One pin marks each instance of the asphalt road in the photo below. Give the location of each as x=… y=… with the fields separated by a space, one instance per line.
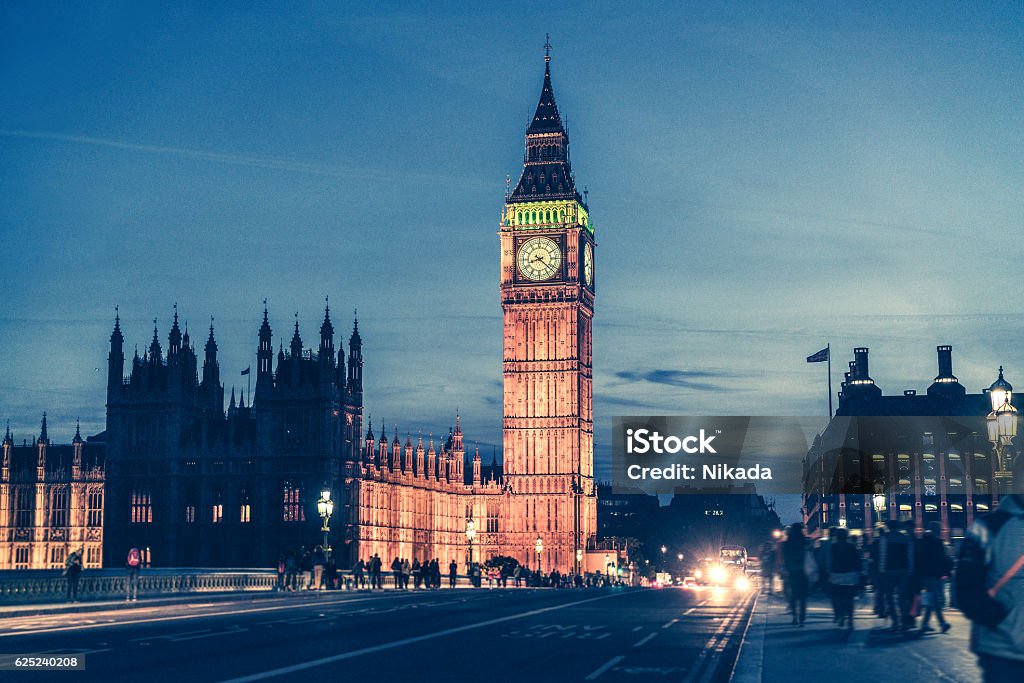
x=522 y=635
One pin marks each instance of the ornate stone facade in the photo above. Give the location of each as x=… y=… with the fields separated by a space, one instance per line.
x=51 y=502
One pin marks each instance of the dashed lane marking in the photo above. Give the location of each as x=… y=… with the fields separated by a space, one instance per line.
x=596 y=673
x=645 y=639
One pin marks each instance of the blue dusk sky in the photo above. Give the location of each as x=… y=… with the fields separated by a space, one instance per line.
x=765 y=178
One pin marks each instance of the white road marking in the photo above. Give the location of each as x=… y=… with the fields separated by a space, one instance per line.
x=669 y=624
x=689 y=611
x=645 y=639
x=604 y=667
x=409 y=641
x=179 y=617
x=637 y=628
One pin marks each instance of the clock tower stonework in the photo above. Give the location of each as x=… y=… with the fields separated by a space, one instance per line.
x=547 y=297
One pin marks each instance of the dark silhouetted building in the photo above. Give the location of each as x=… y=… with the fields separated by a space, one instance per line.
x=923 y=457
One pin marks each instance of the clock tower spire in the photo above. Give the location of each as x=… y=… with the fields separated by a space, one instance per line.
x=547 y=297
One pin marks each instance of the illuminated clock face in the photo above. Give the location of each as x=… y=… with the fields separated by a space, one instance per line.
x=539 y=259
x=588 y=265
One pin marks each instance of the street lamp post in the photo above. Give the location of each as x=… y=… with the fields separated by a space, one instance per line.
x=1002 y=425
x=579 y=561
x=539 y=547
x=878 y=500
x=470 y=535
x=326 y=507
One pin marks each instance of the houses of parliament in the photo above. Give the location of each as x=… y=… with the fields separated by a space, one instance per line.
x=194 y=485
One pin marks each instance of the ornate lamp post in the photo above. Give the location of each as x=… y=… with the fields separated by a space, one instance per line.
x=878 y=500
x=1002 y=425
x=579 y=560
x=470 y=535
x=539 y=547
x=326 y=508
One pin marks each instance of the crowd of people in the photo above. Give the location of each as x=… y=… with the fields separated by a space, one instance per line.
x=907 y=573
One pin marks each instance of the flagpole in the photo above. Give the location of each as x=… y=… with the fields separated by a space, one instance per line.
x=829 y=354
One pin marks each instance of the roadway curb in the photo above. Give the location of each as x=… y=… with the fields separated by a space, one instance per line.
x=749 y=666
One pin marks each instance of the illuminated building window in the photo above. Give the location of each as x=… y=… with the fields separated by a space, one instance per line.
x=981 y=507
x=980 y=486
x=190 y=514
x=21 y=557
x=92 y=557
x=217 y=508
x=59 y=507
x=94 y=508
x=956 y=507
x=905 y=508
x=931 y=507
x=292 y=504
x=245 y=513
x=141 y=506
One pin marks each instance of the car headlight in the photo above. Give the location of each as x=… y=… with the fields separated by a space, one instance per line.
x=699 y=574
x=718 y=574
x=742 y=583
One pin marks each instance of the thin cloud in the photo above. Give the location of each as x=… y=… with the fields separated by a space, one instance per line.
x=683 y=379
x=268 y=163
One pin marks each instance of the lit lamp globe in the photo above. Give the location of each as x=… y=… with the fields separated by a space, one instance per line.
x=325 y=505
x=470 y=530
x=1000 y=393
x=1002 y=422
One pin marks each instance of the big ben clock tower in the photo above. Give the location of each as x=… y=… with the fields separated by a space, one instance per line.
x=547 y=296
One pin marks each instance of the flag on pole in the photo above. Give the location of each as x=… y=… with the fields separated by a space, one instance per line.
x=819 y=357
x=246 y=371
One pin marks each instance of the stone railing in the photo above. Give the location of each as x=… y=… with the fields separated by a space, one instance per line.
x=39 y=586
x=17 y=587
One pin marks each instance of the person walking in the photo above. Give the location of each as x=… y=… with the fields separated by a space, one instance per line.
x=874 y=566
x=281 y=567
x=406 y=572
x=331 y=573
x=133 y=565
x=453 y=573
x=435 y=573
x=896 y=565
x=417 y=573
x=291 y=572
x=931 y=566
x=768 y=566
x=359 y=574
x=795 y=558
x=990 y=585
x=318 y=561
x=376 y=566
x=72 y=571
x=844 y=575
x=306 y=567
